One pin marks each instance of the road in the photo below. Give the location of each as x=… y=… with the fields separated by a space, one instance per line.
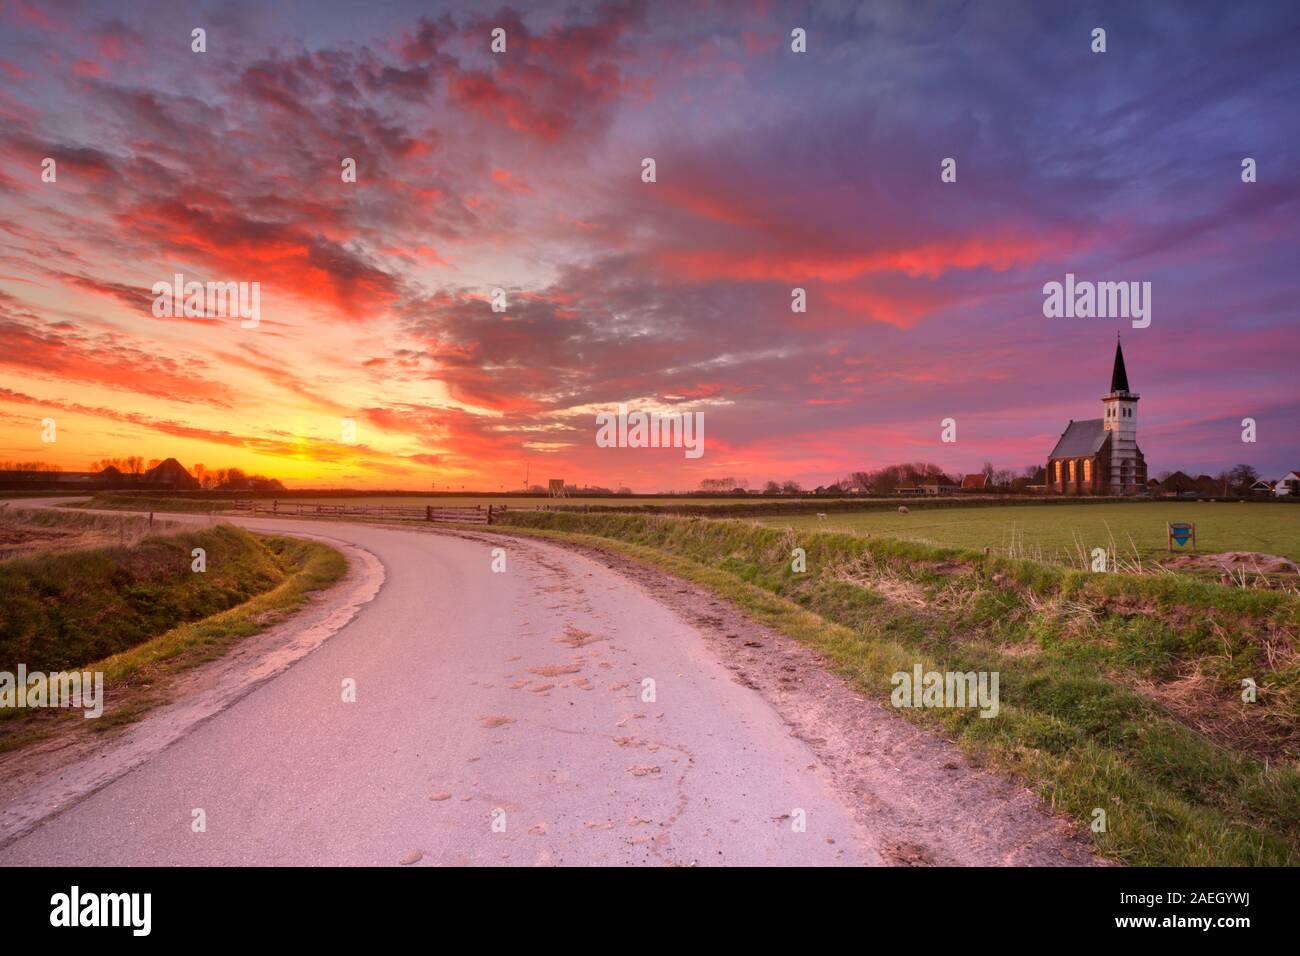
x=499 y=718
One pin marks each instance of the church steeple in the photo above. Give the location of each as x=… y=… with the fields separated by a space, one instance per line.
x=1127 y=467
x=1119 y=376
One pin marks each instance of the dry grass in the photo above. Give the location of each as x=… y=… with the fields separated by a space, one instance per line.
x=28 y=531
x=1194 y=701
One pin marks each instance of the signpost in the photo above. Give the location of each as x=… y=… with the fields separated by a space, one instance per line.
x=1182 y=532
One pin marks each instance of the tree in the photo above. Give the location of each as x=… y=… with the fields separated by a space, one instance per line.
x=40 y=466
x=771 y=488
x=883 y=481
x=715 y=485
x=791 y=487
x=1205 y=485
x=1240 y=478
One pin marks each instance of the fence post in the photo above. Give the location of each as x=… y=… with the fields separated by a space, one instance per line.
x=489 y=514
x=428 y=512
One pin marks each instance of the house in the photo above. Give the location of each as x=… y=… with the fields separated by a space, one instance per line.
x=975 y=482
x=1287 y=485
x=169 y=474
x=1177 y=483
x=938 y=485
x=1262 y=487
x=1100 y=456
x=38 y=480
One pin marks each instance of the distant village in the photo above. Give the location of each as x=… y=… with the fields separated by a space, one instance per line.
x=130 y=474
x=919 y=479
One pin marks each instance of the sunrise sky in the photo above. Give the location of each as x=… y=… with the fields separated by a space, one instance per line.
x=523 y=170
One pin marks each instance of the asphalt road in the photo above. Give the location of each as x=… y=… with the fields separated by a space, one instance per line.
x=499 y=718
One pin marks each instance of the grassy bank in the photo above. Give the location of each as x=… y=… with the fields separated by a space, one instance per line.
x=67 y=608
x=139 y=673
x=140 y=614
x=1118 y=692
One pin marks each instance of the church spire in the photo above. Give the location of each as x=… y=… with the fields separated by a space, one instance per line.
x=1119 y=377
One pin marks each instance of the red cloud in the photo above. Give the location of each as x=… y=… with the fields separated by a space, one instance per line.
x=284 y=256
x=924 y=260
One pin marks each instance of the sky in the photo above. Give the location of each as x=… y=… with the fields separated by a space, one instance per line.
x=523 y=171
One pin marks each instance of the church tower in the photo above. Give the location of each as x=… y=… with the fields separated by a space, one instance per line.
x=1127 y=469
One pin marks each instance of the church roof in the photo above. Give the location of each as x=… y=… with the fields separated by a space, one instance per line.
x=1119 y=376
x=1081 y=439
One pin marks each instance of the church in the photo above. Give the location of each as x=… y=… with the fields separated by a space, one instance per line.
x=1100 y=456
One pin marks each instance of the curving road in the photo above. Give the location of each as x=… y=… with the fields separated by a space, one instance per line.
x=499 y=719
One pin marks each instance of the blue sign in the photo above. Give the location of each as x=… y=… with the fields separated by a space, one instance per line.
x=1182 y=533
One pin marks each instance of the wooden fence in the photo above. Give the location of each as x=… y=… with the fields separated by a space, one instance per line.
x=475 y=515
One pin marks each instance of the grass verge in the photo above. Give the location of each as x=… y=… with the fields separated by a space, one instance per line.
x=64 y=609
x=1093 y=667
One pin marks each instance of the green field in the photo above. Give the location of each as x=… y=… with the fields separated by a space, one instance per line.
x=1050 y=533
